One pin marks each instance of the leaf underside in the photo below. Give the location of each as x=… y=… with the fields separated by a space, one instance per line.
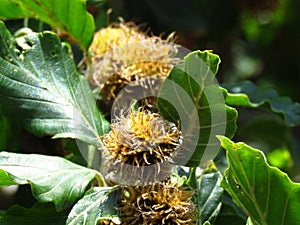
x=247 y=94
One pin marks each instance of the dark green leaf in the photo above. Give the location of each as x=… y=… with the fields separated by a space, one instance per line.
x=229 y=215
x=210 y=194
x=98 y=203
x=9 y=131
x=247 y=94
x=40 y=86
x=68 y=16
x=264 y=193
x=191 y=95
x=52 y=179
x=76 y=155
x=39 y=214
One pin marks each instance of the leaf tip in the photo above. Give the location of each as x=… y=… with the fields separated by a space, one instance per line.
x=226 y=143
x=223 y=139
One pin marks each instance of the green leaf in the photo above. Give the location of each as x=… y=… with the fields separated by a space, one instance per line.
x=229 y=215
x=18 y=215
x=52 y=179
x=6 y=179
x=264 y=193
x=247 y=94
x=98 y=203
x=9 y=131
x=76 y=156
x=68 y=16
x=40 y=87
x=210 y=194
x=191 y=95
x=12 y=10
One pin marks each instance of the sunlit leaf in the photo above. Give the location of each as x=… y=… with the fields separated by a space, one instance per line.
x=52 y=179
x=40 y=87
x=247 y=94
x=264 y=193
x=191 y=95
x=98 y=203
x=7 y=179
x=12 y=10
x=68 y=16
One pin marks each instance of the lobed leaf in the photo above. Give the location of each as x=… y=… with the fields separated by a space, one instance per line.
x=264 y=193
x=247 y=94
x=52 y=179
x=40 y=87
x=191 y=95
x=98 y=203
x=68 y=16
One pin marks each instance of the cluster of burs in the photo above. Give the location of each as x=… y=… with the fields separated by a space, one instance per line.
x=139 y=151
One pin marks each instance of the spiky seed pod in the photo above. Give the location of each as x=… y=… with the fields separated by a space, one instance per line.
x=125 y=47
x=107 y=222
x=105 y=43
x=135 y=72
x=140 y=147
x=115 y=35
x=144 y=78
x=161 y=203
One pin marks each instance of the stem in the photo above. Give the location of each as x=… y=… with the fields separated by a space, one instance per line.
x=26 y=22
x=100 y=179
x=192 y=178
x=40 y=26
x=91 y=155
x=90 y=161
